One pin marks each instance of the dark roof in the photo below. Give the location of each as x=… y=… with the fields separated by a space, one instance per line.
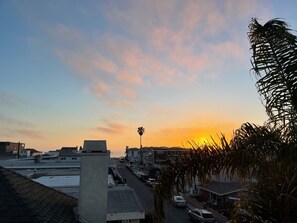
x=122 y=200
x=23 y=200
x=32 y=150
x=220 y=188
x=69 y=148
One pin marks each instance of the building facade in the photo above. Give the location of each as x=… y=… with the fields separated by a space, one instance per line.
x=11 y=149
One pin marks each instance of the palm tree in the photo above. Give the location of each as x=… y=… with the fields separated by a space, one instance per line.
x=269 y=152
x=274 y=61
x=265 y=154
x=140 y=131
x=251 y=146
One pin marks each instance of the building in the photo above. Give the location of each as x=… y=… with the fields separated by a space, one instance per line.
x=11 y=149
x=87 y=198
x=23 y=200
x=220 y=194
x=25 y=153
x=53 y=153
x=69 y=149
x=156 y=157
x=133 y=155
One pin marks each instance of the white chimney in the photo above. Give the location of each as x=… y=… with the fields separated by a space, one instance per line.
x=92 y=203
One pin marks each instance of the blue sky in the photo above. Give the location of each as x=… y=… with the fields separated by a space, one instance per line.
x=76 y=70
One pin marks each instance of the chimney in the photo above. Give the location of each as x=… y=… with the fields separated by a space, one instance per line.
x=92 y=203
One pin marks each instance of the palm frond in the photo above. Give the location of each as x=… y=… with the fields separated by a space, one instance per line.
x=274 y=61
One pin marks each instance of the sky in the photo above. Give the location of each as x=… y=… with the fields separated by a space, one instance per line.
x=84 y=70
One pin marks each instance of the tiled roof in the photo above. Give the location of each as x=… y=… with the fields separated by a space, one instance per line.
x=23 y=200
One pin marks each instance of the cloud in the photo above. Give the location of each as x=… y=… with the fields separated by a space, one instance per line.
x=18 y=128
x=130 y=78
x=128 y=92
x=10 y=99
x=229 y=50
x=111 y=128
x=9 y=121
x=157 y=43
x=32 y=134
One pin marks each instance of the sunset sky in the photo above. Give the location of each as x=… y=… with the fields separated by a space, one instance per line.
x=76 y=70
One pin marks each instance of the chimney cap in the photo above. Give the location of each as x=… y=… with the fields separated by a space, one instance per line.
x=94 y=146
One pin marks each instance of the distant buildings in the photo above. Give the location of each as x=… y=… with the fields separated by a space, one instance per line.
x=11 y=149
x=154 y=157
x=25 y=153
x=91 y=197
x=218 y=190
x=65 y=154
x=69 y=153
x=133 y=155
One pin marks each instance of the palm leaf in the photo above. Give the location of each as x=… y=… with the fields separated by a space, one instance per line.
x=274 y=61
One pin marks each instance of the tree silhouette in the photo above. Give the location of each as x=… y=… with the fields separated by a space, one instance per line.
x=140 y=131
x=274 y=61
x=266 y=153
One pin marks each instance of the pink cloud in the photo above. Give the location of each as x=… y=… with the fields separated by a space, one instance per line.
x=129 y=93
x=122 y=104
x=111 y=128
x=165 y=42
x=244 y=8
x=99 y=88
x=87 y=61
x=229 y=49
x=130 y=77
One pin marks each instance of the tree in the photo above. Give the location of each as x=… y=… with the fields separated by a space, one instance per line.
x=140 y=131
x=251 y=146
x=274 y=61
x=266 y=153
x=269 y=152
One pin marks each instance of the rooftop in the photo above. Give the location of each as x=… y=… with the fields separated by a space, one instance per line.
x=23 y=200
x=220 y=188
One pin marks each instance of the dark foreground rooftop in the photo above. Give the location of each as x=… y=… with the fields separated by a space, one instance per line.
x=23 y=200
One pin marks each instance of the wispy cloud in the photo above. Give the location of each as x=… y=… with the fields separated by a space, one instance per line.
x=158 y=43
x=16 y=128
x=111 y=128
x=31 y=134
x=11 y=121
x=10 y=99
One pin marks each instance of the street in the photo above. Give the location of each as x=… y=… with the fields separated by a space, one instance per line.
x=145 y=196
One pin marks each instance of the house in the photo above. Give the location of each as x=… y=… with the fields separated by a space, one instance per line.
x=52 y=153
x=220 y=194
x=10 y=150
x=25 y=153
x=69 y=153
x=69 y=149
x=133 y=155
x=156 y=157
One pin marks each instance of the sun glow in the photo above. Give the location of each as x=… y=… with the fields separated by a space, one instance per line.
x=203 y=140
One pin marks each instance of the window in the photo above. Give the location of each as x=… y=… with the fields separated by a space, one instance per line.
x=207 y=215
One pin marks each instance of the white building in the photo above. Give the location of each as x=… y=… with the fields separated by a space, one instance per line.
x=133 y=155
